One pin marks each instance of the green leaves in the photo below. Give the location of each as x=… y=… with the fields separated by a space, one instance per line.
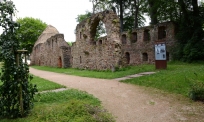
x=16 y=93
x=30 y=30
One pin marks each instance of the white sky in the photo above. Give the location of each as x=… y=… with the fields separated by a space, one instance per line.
x=59 y=13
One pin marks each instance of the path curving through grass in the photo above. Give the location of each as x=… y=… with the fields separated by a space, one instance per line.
x=131 y=103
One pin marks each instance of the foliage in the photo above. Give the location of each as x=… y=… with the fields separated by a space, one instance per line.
x=190 y=34
x=70 y=43
x=16 y=93
x=70 y=105
x=196 y=90
x=29 y=31
x=83 y=17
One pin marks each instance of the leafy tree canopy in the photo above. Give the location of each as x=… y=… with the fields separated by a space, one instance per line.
x=29 y=31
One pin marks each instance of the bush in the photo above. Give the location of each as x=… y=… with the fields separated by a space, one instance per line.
x=196 y=92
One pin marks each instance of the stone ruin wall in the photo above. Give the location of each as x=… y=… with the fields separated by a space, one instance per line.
x=105 y=53
x=54 y=52
x=138 y=48
x=118 y=49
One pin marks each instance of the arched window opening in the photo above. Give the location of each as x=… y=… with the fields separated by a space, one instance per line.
x=161 y=32
x=98 y=30
x=80 y=35
x=100 y=42
x=124 y=39
x=146 y=35
x=134 y=37
x=80 y=60
x=85 y=36
x=127 y=57
x=145 y=57
x=60 y=62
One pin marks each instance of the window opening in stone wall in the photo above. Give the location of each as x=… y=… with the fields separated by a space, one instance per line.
x=100 y=42
x=85 y=37
x=147 y=35
x=98 y=30
x=145 y=57
x=124 y=39
x=161 y=32
x=127 y=57
x=80 y=35
x=60 y=62
x=80 y=60
x=134 y=37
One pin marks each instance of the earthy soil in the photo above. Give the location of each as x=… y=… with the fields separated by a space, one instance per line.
x=131 y=103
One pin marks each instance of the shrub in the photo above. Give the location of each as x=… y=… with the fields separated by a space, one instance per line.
x=197 y=90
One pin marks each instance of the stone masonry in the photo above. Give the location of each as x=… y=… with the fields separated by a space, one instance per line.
x=138 y=45
x=51 y=49
x=106 y=53
x=101 y=54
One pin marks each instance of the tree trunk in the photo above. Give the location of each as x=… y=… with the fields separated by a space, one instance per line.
x=121 y=15
x=136 y=14
x=183 y=9
x=153 y=12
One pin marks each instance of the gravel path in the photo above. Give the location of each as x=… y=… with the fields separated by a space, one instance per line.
x=131 y=103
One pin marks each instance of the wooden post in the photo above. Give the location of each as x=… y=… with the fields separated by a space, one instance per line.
x=19 y=52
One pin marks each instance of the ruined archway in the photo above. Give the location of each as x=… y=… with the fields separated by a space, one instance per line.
x=101 y=56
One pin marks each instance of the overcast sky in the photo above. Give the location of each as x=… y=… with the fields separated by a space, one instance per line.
x=59 y=13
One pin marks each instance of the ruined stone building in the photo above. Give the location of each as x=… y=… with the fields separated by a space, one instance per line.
x=113 y=50
x=117 y=49
x=51 y=49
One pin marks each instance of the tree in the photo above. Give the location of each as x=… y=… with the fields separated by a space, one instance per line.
x=16 y=92
x=29 y=31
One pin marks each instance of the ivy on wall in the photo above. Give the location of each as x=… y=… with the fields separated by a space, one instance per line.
x=16 y=92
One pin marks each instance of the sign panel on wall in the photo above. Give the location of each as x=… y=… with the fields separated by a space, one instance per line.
x=160 y=51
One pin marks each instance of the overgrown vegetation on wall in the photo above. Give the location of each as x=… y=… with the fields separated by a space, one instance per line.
x=16 y=93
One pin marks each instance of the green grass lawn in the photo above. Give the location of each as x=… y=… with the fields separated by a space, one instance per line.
x=176 y=79
x=66 y=106
x=69 y=105
x=43 y=85
x=99 y=74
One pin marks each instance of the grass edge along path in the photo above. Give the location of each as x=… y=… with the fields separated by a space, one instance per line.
x=130 y=70
x=178 y=78
x=63 y=106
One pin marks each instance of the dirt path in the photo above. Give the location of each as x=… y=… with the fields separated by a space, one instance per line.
x=130 y=103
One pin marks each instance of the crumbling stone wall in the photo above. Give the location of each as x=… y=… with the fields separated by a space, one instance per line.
x=101 y=54
x=54 y=52
x=138 y=45
x=118 y=49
